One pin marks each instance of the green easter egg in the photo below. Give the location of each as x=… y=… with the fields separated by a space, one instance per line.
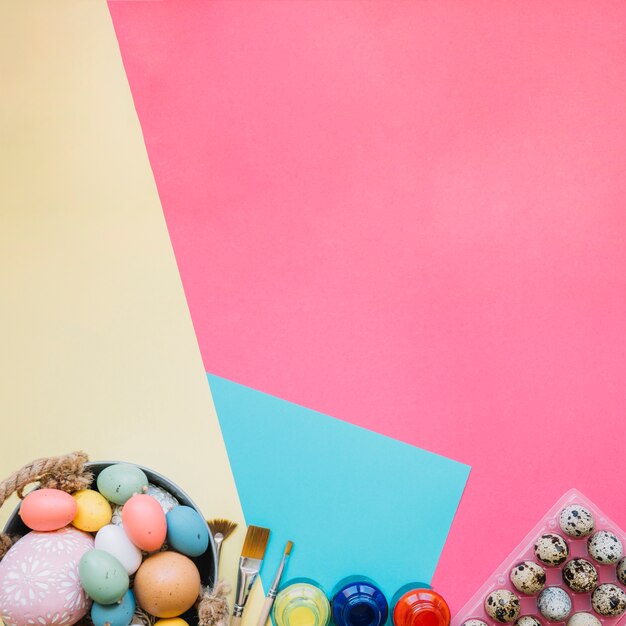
x=119 y=482
x=102 y=576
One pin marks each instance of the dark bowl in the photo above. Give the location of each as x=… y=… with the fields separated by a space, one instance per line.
x=206 y=563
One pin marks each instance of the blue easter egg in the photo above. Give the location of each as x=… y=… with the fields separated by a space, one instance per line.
x=119 y=614
x=187 y=532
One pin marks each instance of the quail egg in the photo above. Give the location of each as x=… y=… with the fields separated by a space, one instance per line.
x=474 y=622
x=621 y=571
x=576 y=521
x=502 y=605
x=583 y=619
x=580 y=575
x=608 y=600
x=605 y=547
x=528 y=577
x=551 y=549
x=554 y=604
x=528 y=620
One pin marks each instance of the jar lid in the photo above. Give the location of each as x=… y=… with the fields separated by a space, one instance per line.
x=360 y=603
x=301 y=604
x=421 y=607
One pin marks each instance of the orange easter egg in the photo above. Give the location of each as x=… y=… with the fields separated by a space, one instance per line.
x=167 y=584
x=144 y=522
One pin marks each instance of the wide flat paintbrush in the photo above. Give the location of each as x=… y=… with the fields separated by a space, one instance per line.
x=250 y=563
x=271 y=594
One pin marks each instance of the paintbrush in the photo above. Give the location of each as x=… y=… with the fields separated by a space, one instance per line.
x=250 y=562
x=271 y=594
x=221 y=529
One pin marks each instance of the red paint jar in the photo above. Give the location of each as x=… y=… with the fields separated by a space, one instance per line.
x=421 y=606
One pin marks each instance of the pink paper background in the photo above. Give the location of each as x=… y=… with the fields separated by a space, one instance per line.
x=411 y=216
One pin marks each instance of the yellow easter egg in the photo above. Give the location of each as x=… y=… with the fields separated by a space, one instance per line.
x=171 y=621
x=93 y=512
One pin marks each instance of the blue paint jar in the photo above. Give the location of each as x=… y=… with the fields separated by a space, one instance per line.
x=359 y=602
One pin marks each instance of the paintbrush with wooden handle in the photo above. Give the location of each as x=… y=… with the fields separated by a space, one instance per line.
x=271 y=594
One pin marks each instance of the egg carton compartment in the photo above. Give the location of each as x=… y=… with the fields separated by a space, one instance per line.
x=577 y=548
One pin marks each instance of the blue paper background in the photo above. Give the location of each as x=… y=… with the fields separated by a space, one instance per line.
x=351 y=500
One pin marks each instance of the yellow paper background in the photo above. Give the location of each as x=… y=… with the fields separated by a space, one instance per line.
x=97 y=348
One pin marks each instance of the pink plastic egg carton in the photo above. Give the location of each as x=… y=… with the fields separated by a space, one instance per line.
x=581 y=602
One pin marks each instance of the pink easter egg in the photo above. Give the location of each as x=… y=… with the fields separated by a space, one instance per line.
x=48 y=509
x=39 y=584
x=144 y=522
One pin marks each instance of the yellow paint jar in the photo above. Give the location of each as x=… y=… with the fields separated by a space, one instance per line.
x=301 y=604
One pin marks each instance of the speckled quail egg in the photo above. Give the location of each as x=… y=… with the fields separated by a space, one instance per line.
x=576 y=521
x=528 y=577
x=502 y=605
x=551 y=549
x=580 y=575
x=528 y=620
x=621 y=571
x=474 y=622
x=605 y=547
x=583 y=619
x=608 y=600
x=554 y=604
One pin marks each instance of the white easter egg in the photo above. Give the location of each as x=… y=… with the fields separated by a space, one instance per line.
x=113 y=539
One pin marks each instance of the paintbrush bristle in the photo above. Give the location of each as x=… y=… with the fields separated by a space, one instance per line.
x=223 y=526
x=256 y=542
x=288 y=548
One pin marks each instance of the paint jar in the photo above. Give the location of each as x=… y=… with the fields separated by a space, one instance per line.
x=357 y=601
x=301 y=603
x=418 y=605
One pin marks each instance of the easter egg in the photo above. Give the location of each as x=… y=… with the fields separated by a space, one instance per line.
x=39 y=581
x=144 y=522
x=103 y=577
x=187 y=532
x=171 y=621
x=167 y=584
x=47 y=509
x=93 y=511
x=118 y=614
x=163 y=497
x=116 y=518
x=115 y=541
x=119 y=482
